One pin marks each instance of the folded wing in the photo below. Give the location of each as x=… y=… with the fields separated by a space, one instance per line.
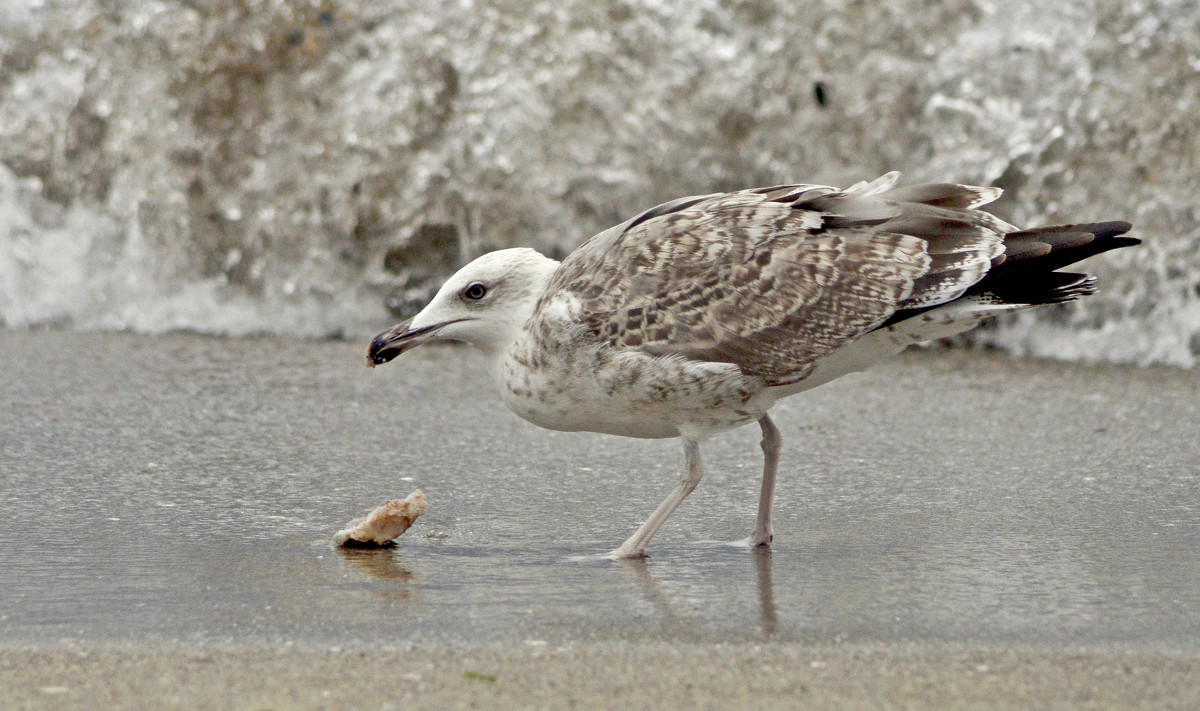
x=774 y=279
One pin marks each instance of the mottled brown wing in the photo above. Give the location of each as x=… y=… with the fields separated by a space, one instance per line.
x=775 y=278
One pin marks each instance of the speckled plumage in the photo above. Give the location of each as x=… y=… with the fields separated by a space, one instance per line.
x=774 y=279
x=697 y=315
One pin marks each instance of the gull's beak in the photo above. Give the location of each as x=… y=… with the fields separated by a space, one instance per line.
x=400 y=338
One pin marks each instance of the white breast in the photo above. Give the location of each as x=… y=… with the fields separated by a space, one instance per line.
x=579 y=385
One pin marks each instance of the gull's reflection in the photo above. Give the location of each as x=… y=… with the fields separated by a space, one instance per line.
x=767 y=620
x=380 y=564
x=638 y=570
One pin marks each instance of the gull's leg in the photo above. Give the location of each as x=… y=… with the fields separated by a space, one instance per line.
x=771 y=442
x=635 y=546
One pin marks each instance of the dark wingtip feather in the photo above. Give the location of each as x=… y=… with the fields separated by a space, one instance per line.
x=1105 y=230
x=1058 y=246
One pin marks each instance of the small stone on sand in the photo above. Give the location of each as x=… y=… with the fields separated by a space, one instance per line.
x=383 y=525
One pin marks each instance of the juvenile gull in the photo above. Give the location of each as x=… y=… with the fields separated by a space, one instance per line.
x=695 y=316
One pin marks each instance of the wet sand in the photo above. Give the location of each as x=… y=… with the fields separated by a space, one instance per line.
x=623 y=676
x=955 y=530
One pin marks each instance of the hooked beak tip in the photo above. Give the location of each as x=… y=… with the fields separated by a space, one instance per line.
x=394 y=341
x=389 y=344
x=379 y=358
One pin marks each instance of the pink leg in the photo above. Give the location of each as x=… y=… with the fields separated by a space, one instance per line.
x=771 y=442
x=635 y=546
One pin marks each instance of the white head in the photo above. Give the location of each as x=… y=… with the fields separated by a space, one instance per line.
x=486 y=303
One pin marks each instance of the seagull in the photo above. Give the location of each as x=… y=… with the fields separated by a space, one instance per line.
x=696 y=316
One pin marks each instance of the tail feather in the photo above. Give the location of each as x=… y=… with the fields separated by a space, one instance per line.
x=1025 y=274
x=1039 y=288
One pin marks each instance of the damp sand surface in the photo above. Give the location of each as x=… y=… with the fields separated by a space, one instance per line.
x=953 y=530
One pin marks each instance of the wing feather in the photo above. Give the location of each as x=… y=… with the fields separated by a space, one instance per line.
x=773 y=279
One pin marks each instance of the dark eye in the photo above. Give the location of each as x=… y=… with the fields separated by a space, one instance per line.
x=474 y=291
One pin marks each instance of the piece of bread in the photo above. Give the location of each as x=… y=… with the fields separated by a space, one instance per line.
x=385 y=524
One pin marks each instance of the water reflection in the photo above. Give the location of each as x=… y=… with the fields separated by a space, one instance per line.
x=768 y=618
x=668 y=608
x=378 y=563
x=689 y=606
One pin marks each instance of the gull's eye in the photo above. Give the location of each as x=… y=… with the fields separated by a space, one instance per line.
x=474 y=291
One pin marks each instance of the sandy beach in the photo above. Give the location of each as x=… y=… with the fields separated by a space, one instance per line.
x=954 y=530
x=642 y=676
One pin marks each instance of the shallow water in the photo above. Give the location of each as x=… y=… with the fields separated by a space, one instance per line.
x=185 y=489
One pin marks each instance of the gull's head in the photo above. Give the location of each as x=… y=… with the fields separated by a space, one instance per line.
x=486 y=304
